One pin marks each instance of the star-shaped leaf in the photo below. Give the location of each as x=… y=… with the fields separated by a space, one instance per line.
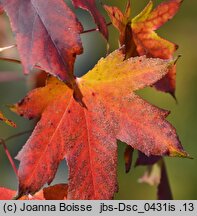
x=86 y=136
x=140 y=38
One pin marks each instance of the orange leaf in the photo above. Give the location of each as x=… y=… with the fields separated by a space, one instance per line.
x=55 y=192
x=86 y=137
x=144 y=24
x=119 y=20
x=139 y=34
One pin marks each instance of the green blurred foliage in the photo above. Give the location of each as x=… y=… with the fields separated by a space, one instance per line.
x=182 y=31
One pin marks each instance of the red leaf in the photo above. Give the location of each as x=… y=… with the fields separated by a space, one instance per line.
x=47 y=34
x=55 y=192
x=168 y=83
x=6 y=194
x=90 y=5
x=87 y=136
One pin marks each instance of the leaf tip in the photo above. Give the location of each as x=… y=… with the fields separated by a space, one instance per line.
x=12 y=107
x=172 y=93
x=179 y=153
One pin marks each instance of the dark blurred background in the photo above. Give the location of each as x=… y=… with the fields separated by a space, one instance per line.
x=182 y=31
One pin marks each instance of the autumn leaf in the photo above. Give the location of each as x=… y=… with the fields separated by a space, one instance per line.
x=164 y=190
x=47 y=34
x=6 y=194
x=143 y=160
x=122 y=22
x=55 y=192
x=168 y=83
x=90 y=5
x=86 y=137
x=139 y=33
x=7 y=121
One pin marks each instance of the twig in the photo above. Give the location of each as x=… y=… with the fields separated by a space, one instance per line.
x=17 y=61
x=2 y=142
x=94 y=29
x=17 y=135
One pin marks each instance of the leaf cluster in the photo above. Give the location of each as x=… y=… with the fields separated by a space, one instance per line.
x=81 y=119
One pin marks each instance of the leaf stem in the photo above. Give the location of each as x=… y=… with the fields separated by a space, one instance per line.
x=2 y=142
x=17 y=61
x=94 y=29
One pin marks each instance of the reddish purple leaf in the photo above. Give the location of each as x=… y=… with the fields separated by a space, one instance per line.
x=128 y=157
x=90 y=5
x=47 y=34
x=144 y=160
x=164 y=190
